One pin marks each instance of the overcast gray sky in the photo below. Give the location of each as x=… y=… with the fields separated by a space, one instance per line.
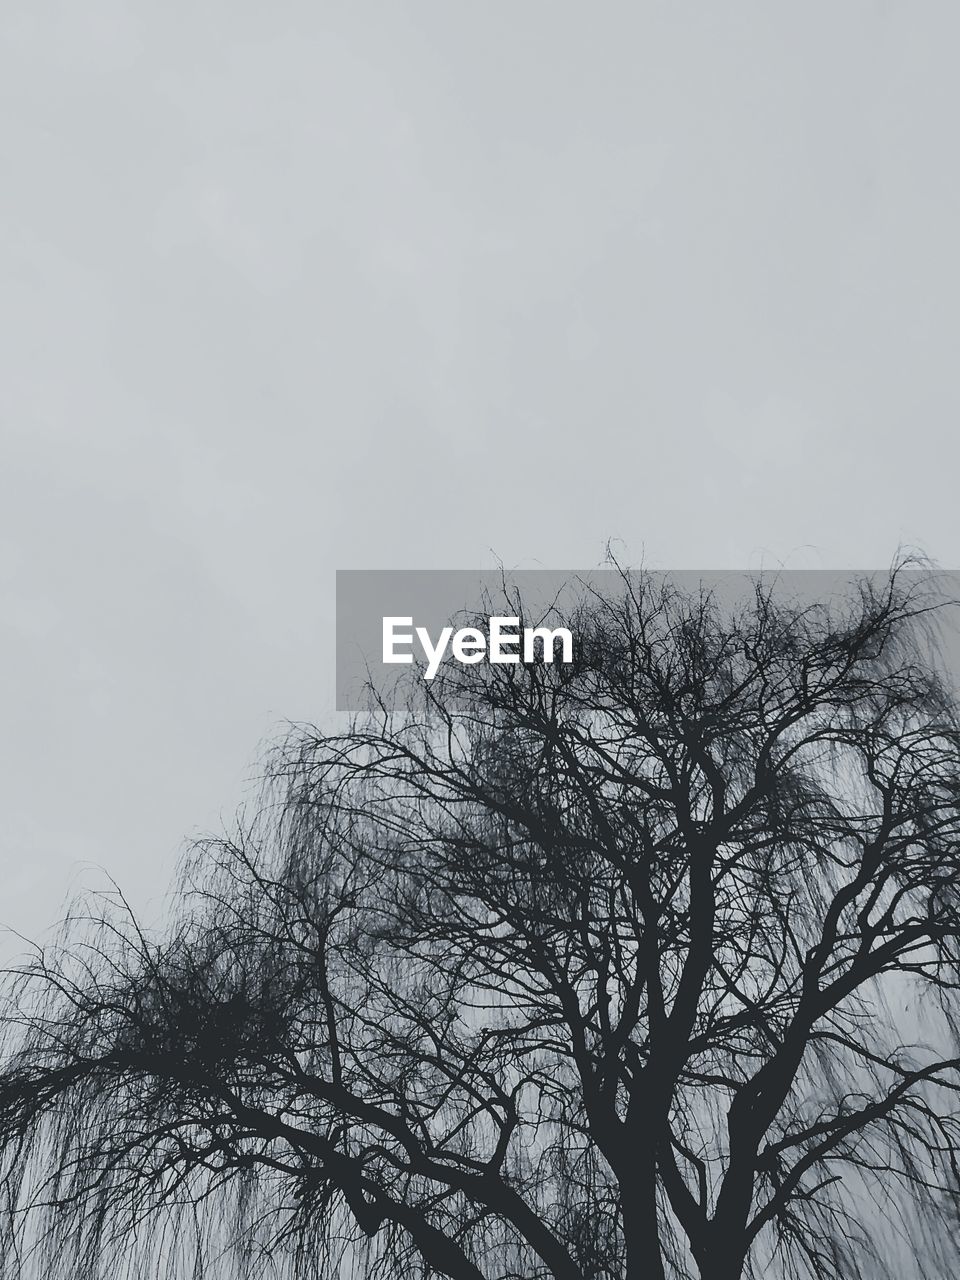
x=292 y=287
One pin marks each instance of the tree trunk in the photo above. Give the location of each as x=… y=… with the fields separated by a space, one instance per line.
x=641 y=1226
x=724 y=1257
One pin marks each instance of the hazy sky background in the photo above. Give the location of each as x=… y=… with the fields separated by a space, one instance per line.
x=286 y=288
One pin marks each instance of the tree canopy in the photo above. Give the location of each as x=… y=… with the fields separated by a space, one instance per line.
x=641 y=966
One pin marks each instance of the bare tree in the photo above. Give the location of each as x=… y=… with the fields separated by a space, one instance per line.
x=644 y=966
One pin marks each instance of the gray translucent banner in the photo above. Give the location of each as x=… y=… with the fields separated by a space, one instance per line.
x=434 y=599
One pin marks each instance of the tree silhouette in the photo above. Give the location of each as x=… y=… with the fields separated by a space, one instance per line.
x=644 y=966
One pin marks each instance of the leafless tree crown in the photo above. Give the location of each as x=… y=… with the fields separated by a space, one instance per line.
x=642 y=966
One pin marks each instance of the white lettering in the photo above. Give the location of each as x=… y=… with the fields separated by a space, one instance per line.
x=434 y=653
x=549 y=639
x=391 y=639
x=469 y=645
x=498 y=640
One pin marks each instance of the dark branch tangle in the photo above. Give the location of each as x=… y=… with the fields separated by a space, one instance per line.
x=645 y=966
